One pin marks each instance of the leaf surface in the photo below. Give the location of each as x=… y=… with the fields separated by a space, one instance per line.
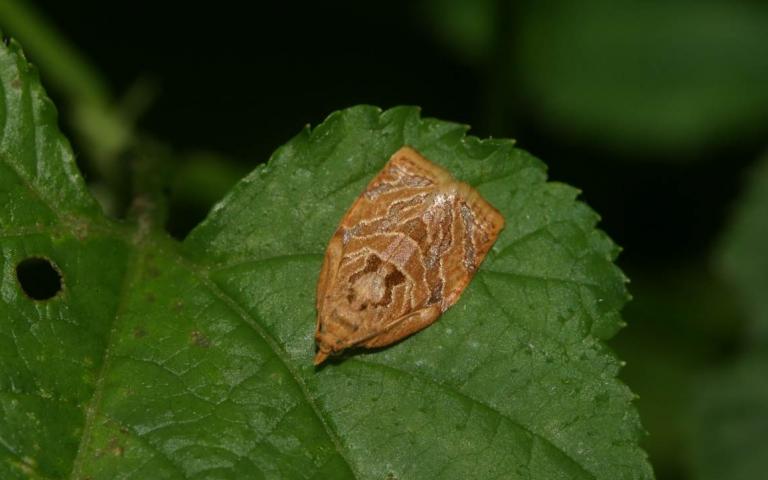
x=194 y=360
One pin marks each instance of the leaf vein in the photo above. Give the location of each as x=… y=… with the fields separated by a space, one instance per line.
x=530 y=276
x=471 y=399
x=251 y=322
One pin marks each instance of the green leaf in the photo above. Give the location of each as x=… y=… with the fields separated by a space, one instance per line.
x=731 y=414
x=744 y=251
x=670 y=342
x=651 y=77
x=729 y=436
x=64 y=66
x=165 y=360
x=40 y=182
x=103 y=125
x=467 y=26
x=646 y=76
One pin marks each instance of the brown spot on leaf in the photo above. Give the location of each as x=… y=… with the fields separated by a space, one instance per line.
x=115 y=448
x=152 y=270
x=200 y=340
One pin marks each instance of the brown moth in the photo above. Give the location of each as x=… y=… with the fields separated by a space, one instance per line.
x=401 y=256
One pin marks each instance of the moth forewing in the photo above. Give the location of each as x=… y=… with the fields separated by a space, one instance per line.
x=402 y=255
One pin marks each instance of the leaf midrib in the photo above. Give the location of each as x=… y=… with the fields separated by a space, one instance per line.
x=249 y=320
x=135 y=262
x=134 y=267
x=246 y=318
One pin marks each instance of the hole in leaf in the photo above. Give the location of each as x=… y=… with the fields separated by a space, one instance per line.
x=39 y=278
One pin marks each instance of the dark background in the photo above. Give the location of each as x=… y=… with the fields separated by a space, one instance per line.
x=232 y=82
x=243 y=80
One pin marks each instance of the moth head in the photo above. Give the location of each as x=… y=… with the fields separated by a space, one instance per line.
x=331 y=330
x=321 y=356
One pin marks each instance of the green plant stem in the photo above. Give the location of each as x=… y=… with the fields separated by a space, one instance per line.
x=63 y=66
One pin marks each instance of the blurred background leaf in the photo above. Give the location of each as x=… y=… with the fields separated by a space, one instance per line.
x=744 y=252
x=644 y=77
x=647 y=76
x=680 y=323
x=729 y=435
x=729 y=438
x=466 y=26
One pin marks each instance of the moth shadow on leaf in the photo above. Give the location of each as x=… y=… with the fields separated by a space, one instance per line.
x=353 y=352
